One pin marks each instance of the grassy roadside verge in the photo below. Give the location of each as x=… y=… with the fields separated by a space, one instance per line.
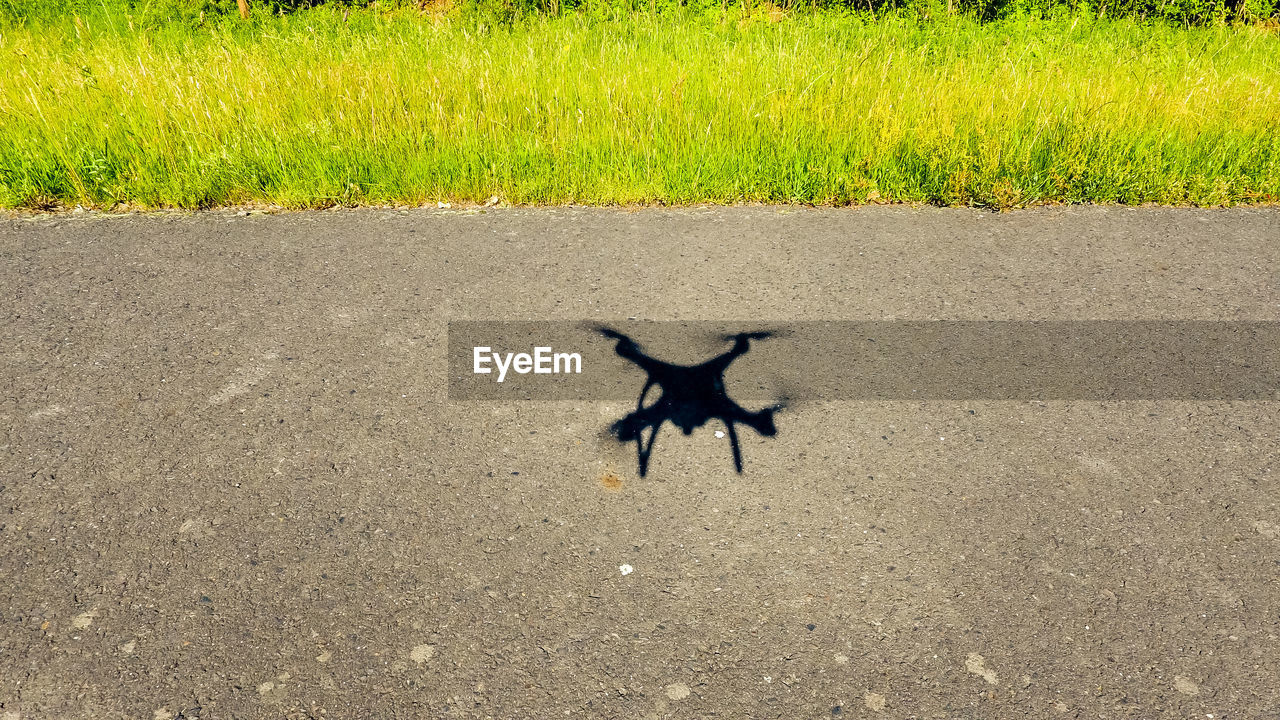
x=311 y=110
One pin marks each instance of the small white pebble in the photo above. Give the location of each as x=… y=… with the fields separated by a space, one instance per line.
x=422 y=653
x=719 y=433
x=626 y=569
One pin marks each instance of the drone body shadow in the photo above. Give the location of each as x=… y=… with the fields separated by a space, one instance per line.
x=690 y=397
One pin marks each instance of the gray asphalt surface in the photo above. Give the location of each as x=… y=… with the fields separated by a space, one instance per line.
x=233 y=484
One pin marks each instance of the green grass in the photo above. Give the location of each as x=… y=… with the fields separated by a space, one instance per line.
x=310 y=110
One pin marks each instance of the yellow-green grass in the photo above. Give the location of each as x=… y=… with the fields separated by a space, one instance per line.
x=404 y=108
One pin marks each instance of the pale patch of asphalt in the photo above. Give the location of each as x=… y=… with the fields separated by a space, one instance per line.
x=232 y=484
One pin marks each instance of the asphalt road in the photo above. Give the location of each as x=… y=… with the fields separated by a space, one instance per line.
x=233 y=483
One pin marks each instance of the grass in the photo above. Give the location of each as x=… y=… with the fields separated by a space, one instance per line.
x=310 y=110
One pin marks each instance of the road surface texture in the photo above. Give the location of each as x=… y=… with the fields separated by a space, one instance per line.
x=234 y=485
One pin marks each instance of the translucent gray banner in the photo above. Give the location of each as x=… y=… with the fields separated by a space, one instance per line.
x=877 y=360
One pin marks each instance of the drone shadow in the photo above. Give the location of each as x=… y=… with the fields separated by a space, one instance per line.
x=689 y=396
